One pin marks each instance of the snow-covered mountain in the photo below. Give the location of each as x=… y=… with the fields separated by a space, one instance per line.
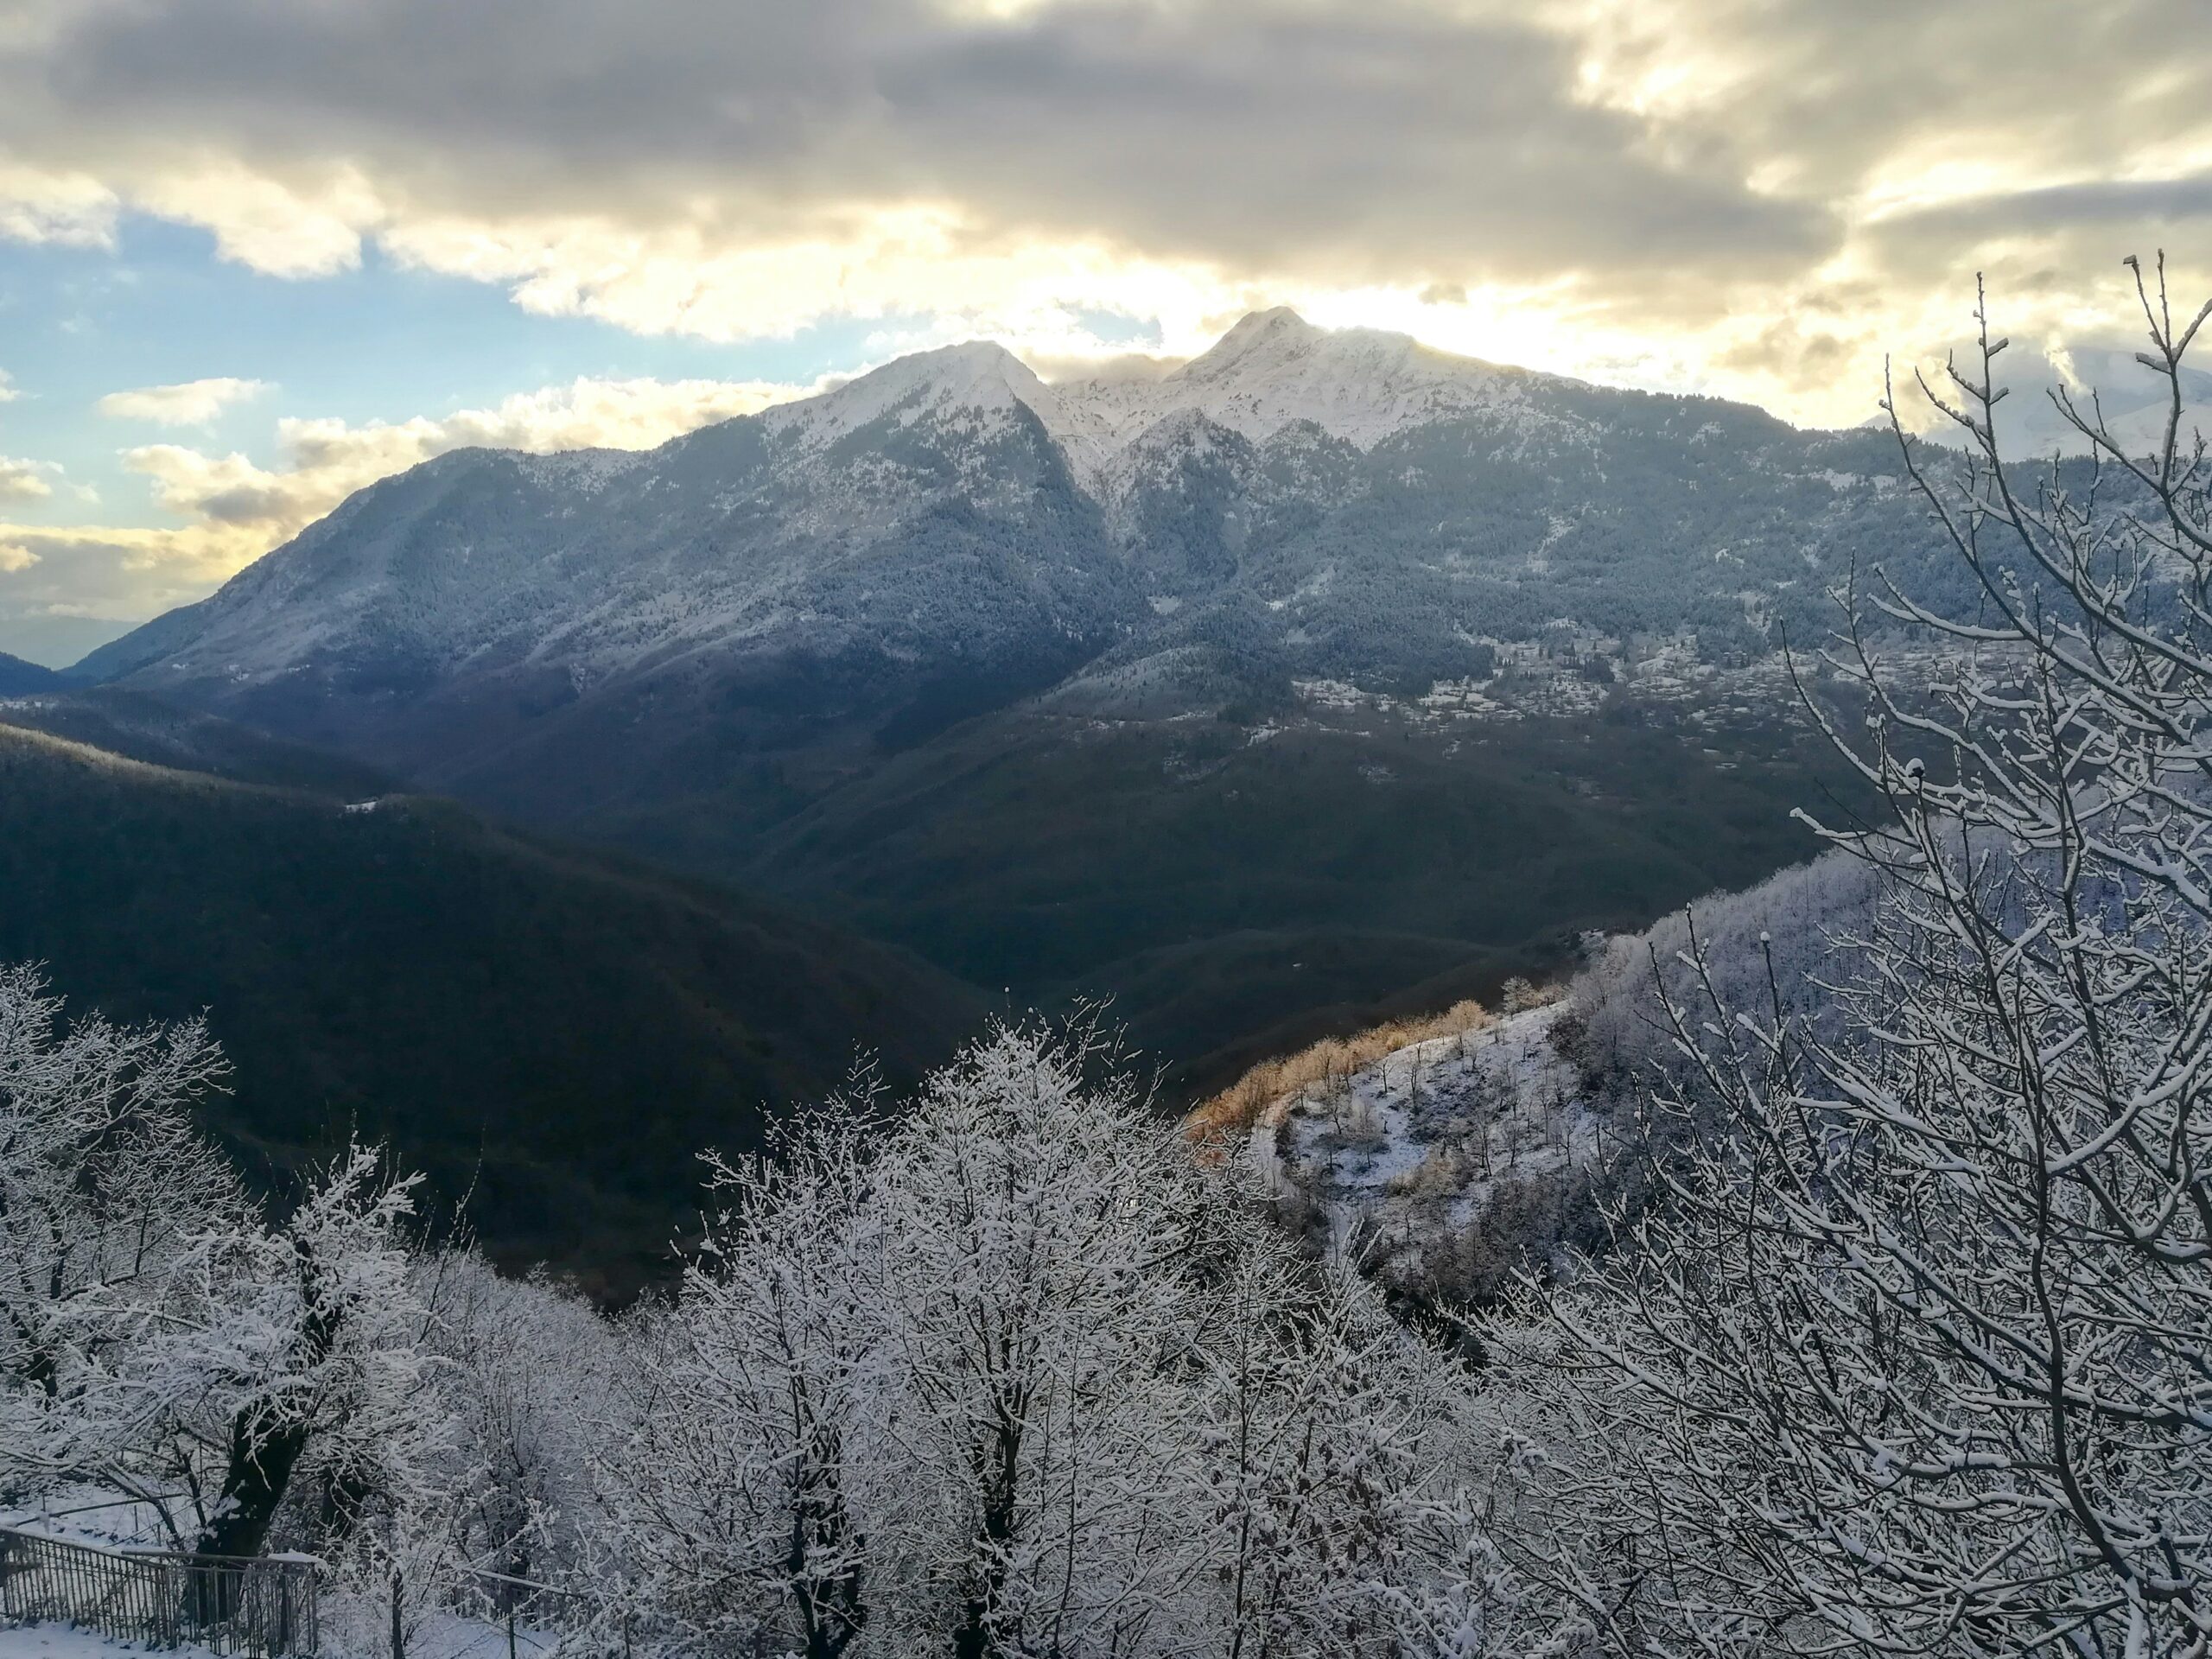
x=1275 y=369
x=975 y=388
x=863 y=648
x=951 y=507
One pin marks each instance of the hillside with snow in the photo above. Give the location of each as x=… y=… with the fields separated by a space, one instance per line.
x=971 y=660
x=1447 y=1155
x=1438 y=1165
x=1230 y=480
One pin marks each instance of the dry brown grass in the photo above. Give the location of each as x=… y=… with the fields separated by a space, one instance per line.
x=1234 y=1111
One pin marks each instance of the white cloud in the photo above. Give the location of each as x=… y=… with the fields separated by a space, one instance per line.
x=279 y=227
x=325 y=460
x=8 y=392
x=189 y=402
x=888 y=263
x=237 y=509
x=25 y=480
x=66 y=207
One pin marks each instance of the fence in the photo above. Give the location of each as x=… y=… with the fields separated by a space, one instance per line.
x=261 y=1608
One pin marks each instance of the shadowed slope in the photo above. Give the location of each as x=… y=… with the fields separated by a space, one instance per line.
x=558 y=1031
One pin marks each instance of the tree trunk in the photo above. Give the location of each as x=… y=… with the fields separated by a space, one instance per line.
x=1003 y=1458
x=267 y=1439
x=262 y=1457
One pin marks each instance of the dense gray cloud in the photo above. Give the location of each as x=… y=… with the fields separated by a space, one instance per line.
x=1642 y=188
x=1372 y=141
x=1760 y=198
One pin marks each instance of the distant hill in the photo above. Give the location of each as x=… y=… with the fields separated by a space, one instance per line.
x=555 y=1033
x=138 y=728
x=18 y=677
x=1232 y=896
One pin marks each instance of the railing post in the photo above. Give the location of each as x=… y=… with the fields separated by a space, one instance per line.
x=171 y=1611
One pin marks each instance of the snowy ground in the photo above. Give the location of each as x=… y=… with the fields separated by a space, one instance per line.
x=1410 y=1149
x=64 y=1642
x=444 y=1637
x=93 y=1514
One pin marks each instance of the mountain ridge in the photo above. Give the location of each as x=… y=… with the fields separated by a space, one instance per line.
x=1292 y=391
x=18 y=677
x=949 y=574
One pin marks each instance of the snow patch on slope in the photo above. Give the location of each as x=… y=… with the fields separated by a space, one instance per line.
x=585 y=471
x=978 y=384
x=1275 y=368
x=1401 y=1155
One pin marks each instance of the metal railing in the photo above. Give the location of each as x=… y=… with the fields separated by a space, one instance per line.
x=261 y=1608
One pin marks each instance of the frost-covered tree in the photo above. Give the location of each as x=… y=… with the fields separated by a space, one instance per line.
x=105 y=1191
x=1018 y=1375
x=158 y=1335
x=527 y=1373
x=1912 y=1356
x=1334 y=1437
x=734 y=1499
x=942 y=1388
x=313 y=1333
x=1044 y=1248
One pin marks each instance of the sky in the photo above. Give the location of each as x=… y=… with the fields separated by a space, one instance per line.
x=255 y=254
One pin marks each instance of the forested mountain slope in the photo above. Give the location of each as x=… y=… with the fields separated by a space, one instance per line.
x=17 y=677
x=138 y=728
x=553 y=1034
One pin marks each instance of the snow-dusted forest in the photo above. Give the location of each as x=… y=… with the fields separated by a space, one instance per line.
x=1889 y=1334
x=1017 y=1372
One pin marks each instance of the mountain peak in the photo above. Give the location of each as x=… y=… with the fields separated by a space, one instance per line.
x=978 y=354
x=1277 y=331
x=974 y=375
x=963 y=366
x=1275 y=368
x=1277 y=322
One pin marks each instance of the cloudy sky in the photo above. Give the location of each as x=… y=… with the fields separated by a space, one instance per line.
x=255 y=253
